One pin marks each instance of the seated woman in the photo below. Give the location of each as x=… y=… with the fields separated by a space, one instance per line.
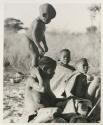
x=37 y=91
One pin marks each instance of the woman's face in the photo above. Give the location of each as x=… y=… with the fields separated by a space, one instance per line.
x=49 y=71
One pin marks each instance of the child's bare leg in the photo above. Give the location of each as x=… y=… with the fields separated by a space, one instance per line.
x=34 y=53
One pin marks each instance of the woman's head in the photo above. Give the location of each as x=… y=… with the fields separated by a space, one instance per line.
x=47 y=67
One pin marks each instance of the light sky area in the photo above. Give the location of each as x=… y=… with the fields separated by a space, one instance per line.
x=70 y=17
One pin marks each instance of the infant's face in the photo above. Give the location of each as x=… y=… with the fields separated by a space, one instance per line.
x=64 y=58
x=82 y=67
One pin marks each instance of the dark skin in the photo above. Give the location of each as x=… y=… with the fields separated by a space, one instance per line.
x=38 y=35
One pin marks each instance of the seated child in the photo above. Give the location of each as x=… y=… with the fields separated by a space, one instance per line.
x=38 y=88
x=36 y=33
x=81 y=85
x=63 y=70
x=76 y=88
x=77 y=82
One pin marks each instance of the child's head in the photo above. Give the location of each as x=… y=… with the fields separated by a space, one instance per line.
x=47 y=12
x=47 y=67
x=65 y=56
x=82 y=65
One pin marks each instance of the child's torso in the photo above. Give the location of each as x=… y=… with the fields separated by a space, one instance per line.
x=40 y=30
x=76 y=84
x=80 y=86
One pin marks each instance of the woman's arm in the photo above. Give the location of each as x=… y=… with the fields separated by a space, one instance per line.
x=31 y=84
x=35 y=73
x=37 y=87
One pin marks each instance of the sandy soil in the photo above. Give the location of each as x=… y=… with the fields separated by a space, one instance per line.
x=13 y=100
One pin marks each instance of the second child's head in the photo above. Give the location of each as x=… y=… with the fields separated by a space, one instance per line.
x=82 y=65
x=65 y=56
x=47 y=67
x=47 y=12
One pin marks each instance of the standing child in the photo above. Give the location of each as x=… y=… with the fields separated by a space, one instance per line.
x=63 y=70
x=36 y=32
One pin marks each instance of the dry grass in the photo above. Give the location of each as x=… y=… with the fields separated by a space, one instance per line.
x=17 y=53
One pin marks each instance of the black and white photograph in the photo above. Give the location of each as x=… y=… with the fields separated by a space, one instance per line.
x=52 y=62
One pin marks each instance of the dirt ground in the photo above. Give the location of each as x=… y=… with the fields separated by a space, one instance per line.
x=13 y=100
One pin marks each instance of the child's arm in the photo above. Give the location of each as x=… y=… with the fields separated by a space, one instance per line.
x=35 y=36
x=45 y=44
